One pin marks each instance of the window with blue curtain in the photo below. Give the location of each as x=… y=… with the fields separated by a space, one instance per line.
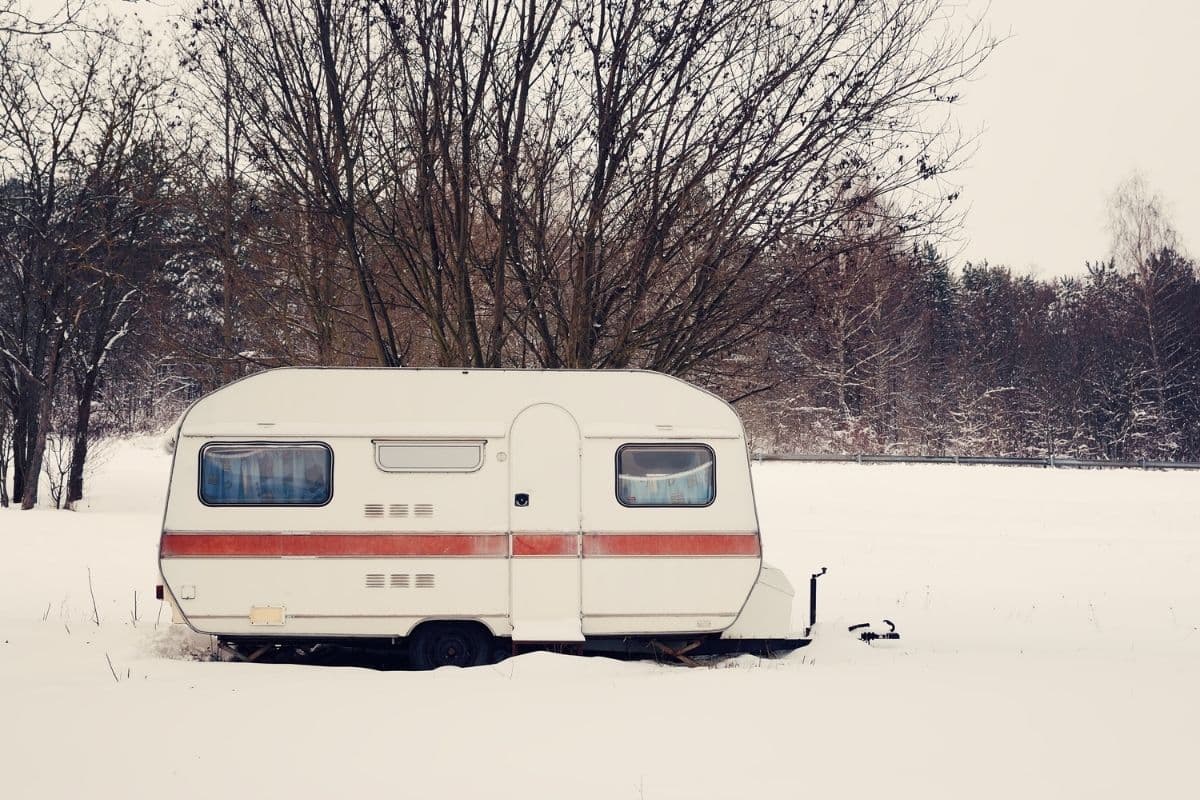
x=266 y=474
x=665 y=475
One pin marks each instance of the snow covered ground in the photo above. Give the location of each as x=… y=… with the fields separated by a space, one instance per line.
x=1051 y=649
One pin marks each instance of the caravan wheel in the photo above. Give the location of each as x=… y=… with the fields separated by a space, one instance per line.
x=448 y=644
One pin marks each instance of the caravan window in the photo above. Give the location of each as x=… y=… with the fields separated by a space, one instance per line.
x=266 y=474
x=428 y=456
x=666 y=475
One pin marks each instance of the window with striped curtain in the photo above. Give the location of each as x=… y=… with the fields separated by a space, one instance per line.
x=266 y=474
x=666 y=475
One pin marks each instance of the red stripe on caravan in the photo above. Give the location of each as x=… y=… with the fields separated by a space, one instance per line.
x=277 y=545
x=670 y=544
x=544 y=544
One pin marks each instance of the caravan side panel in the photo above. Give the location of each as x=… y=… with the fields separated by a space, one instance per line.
x=685 y=569
x=389 y=550
x=398 y=543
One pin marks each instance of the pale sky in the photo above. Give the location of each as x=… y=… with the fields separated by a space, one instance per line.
x=1079 y=96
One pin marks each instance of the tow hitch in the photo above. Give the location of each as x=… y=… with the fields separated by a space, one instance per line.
x=868 y=633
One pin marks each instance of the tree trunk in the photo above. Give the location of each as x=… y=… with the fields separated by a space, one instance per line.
x=33 y=466
x=79 y=446
x=228 y=253
x=18 y=456
x=5 y=440
x=21 y=444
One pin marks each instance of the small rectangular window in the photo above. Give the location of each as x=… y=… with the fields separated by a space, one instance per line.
x=266 y=474
x=666 y=475
x=420 y=456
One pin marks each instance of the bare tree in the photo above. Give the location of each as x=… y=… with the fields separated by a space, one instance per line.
x=44 y=108
x=712 y=133
x=591 y=185
x=76 y=143
x=18 y=20
x=1145 y=247
x=303 y=74
x=450 y=205
x=1139 y=225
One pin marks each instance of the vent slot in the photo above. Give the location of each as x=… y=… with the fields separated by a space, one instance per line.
x=424 y=581
x=423 y=510
x=398 y=510
x=373 y=510
x=374 y=580
x=400 y=581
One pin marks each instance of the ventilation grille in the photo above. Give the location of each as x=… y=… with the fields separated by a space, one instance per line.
x=397 y=510
x=398 y=580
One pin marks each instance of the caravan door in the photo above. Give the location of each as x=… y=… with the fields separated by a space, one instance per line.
x=543 y=524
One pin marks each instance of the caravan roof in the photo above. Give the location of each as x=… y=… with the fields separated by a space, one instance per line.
x=332 y=402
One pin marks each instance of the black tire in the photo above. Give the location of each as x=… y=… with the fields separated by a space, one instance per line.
x=448 y=644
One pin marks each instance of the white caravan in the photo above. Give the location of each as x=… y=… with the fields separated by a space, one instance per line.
x=461 y=509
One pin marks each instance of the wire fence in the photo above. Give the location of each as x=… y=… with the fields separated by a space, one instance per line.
x=1049 y=462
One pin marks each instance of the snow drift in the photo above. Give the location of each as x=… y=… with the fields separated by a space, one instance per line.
x=1052 y=636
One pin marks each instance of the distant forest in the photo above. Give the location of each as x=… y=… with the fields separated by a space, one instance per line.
x=748 y=194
